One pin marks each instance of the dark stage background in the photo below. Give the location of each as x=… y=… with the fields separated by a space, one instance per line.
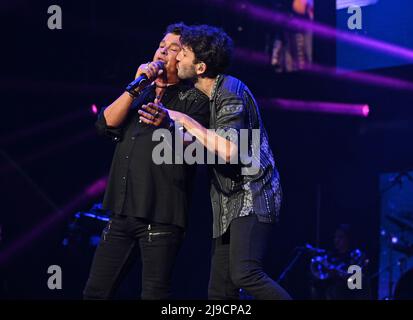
x=50 y=154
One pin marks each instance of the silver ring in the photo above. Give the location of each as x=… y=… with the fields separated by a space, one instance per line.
x=156 y=114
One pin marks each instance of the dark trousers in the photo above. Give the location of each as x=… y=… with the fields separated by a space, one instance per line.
x=237 y=262
x=122 y=241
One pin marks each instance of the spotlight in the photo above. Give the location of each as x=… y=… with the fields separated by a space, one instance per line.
x=94 y=109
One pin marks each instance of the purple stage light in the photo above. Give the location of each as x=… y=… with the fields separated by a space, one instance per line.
x=361 y=77
x=276 y=18
x=43 y=127
x=58 y=88
x=94 y=109
x=261 y=58
x=97 y=187
x=360 y=110
x=90 y=192
x=52 y=149
x=251 y=56
x=366 y=110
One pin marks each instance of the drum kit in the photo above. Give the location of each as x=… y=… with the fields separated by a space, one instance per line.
x=85 y=228
x=324 y=267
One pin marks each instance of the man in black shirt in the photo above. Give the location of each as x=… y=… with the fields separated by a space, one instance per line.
x=148 y=201
x=245 y=185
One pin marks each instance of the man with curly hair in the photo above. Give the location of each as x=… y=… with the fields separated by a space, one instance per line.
x=245 y=199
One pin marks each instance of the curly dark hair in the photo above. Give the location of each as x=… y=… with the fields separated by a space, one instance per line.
x=176 y=28
x=211 y=46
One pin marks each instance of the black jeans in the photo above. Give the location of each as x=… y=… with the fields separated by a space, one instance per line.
x=120 y=244
x=237 y=262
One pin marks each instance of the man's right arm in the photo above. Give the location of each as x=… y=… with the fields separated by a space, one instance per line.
x=110 y=119
x=118 y=110
x=116 y=113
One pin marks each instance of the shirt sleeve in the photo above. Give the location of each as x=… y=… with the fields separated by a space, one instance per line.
x=114 y=133
x=230 y=117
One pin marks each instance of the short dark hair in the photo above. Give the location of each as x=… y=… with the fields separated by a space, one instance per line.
x=210 y=45
x=176 y=28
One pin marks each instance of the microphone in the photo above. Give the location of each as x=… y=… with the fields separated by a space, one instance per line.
x=135 y=87
x=143 y=78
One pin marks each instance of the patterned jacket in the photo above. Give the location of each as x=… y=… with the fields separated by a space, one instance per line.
x=245 y=188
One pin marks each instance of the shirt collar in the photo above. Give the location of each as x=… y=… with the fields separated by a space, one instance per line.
x=214 y=89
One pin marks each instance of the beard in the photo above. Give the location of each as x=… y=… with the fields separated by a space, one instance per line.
x=187 y=73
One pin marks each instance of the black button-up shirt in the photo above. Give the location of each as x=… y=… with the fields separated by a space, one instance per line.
x=136 y=185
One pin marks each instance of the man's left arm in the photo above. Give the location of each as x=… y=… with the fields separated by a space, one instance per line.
x=230 y=119
x=224 y=139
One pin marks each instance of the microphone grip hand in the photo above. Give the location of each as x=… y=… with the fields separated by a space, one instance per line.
x=151 y=69
x=144 y=76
